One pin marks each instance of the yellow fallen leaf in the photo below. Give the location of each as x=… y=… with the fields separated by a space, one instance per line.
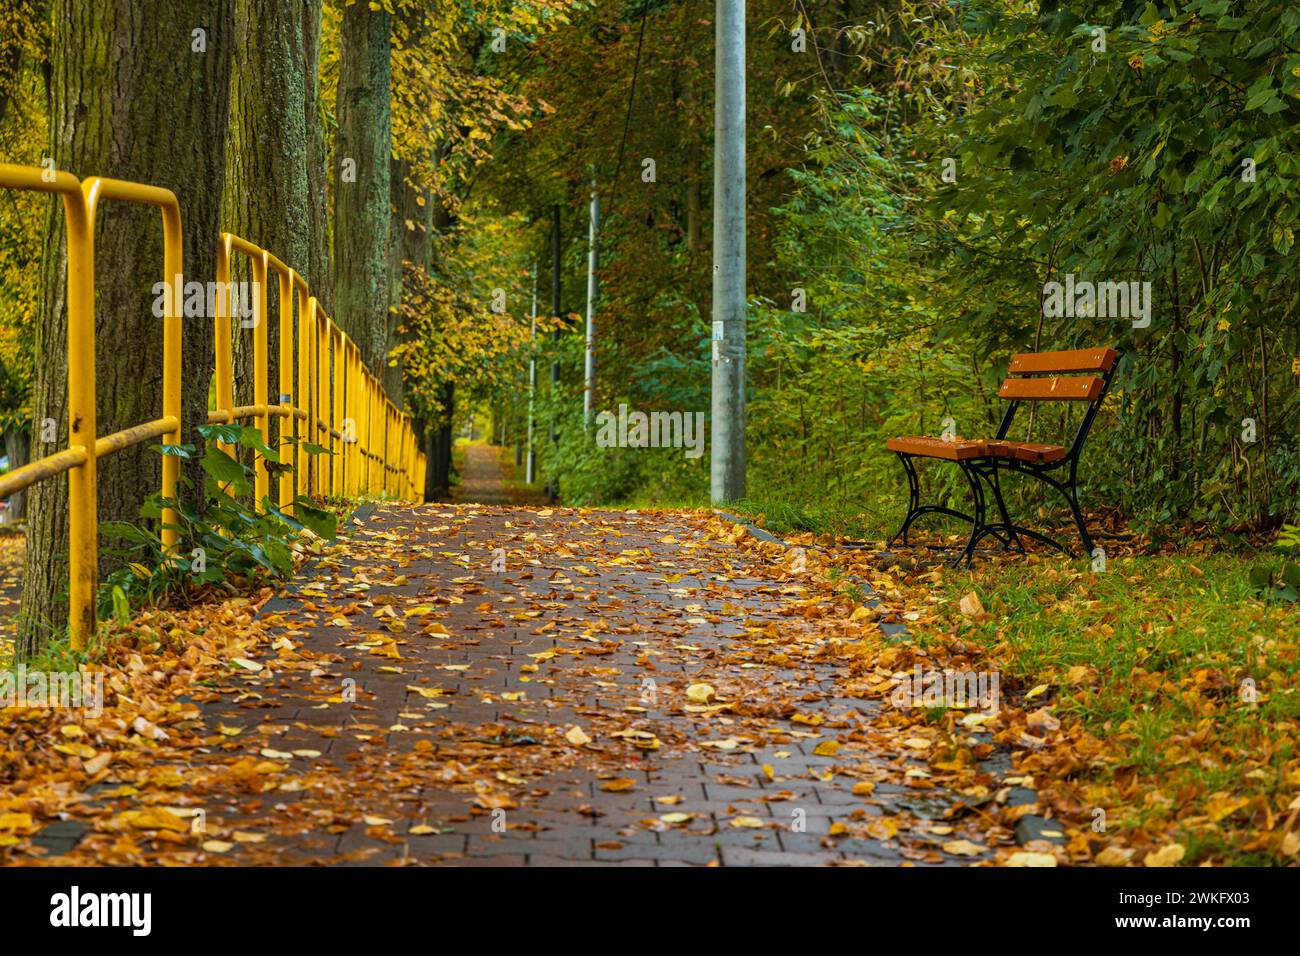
x=85 y=751
x=963 y=848
x=700 y=693
x=152 y=818
x=96 y=764
x=374 y=821
x=827 y=748
x=218 y=846
x=577 y=736
x=15 y=821
x=618 y=785
x=1113 y=856
x=750 y=823
x=1223 y=805
x=1166 y=856
x=1025 y=858
x=883 y=828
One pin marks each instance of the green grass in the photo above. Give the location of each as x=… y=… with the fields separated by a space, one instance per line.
x=1170 y=644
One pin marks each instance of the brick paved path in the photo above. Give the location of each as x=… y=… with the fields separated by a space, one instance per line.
x=538 y=714
x=481 y=483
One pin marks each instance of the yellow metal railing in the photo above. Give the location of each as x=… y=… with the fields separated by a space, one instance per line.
x=340 y=393
x=341 y=405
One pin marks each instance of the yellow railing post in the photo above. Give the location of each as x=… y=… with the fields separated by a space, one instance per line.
x=322 y=398
x=83 y=508
x=313 y=389
x=410 y=459
x=225 y=390
x=340 y=448
x=261 y=477
x=354 y=414
x=380 y=485
x=368 y=400
x=285 y=277
x=406 y=458
x=168 y=426
x=390 y=448
x=383 y=441
x=302 y=400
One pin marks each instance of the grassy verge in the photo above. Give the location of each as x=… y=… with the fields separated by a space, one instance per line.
x=1177 y=687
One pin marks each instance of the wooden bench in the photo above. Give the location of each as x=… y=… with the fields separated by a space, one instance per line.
x=1079 y=375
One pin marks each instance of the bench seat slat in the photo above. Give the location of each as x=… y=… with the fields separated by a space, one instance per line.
x=1073 y=360
x=1026 y=451
x=1084 y=388
x=927 y=446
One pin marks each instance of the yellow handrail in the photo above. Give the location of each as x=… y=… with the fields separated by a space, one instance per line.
x=336 y=387
x=326 y=357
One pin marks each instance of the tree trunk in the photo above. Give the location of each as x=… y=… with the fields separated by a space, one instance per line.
x=362 y=182
x=413 y=227
x=411 y=235
x=18 y=448
x=693 y=151
x=319 y=274
x=132 y=97
x=267 y=199
x=440 y=443
x=397 y=250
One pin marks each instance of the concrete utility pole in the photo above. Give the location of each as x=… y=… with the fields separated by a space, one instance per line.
x=529 y=469
x=593 y=259
x=727 y=461
x=557 y=289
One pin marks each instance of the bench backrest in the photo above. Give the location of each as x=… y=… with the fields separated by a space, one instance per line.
x=1054 y=376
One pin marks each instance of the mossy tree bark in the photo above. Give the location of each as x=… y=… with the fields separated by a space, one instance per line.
x=319 y=271
x=363 y=182
x=267 y=195
x=138 y=94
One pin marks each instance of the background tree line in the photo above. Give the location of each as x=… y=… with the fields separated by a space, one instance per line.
x=1115 y=140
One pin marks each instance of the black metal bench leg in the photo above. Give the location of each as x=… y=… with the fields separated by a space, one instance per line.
x=913 y=499
x=996 y=484
x=1073 y=498
x=977 y=530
